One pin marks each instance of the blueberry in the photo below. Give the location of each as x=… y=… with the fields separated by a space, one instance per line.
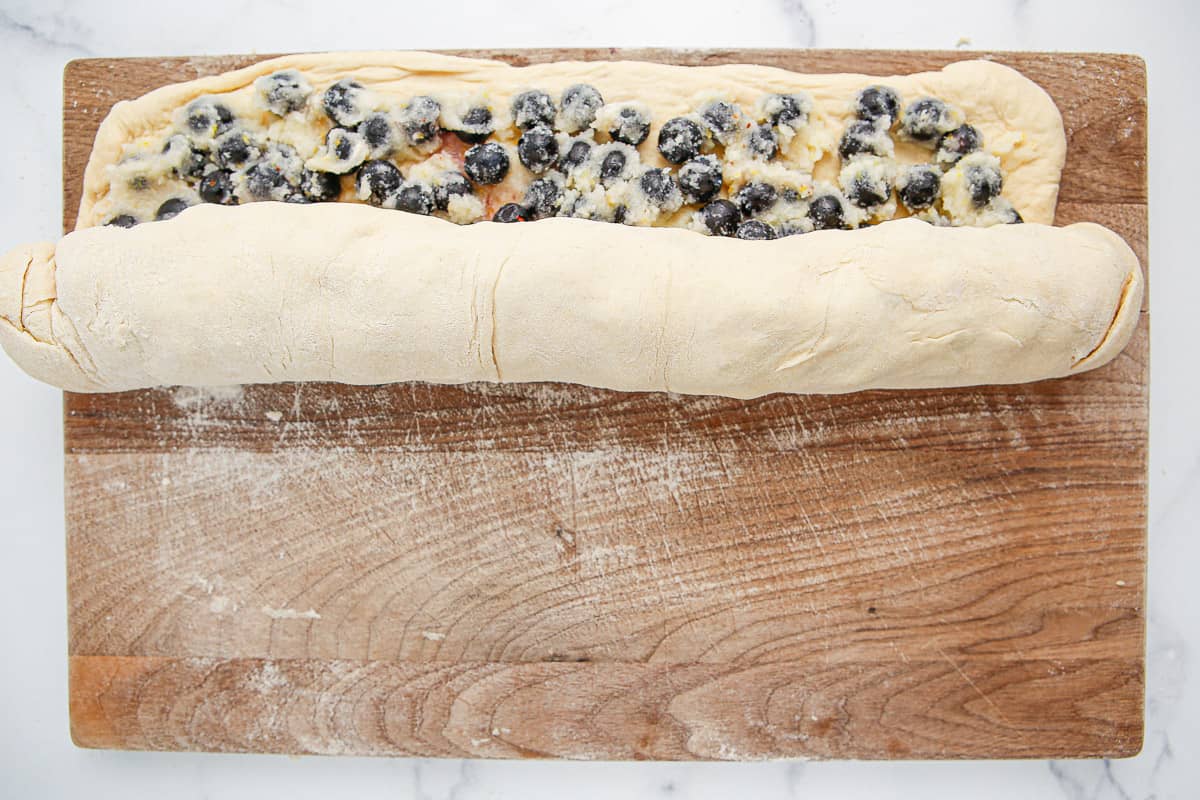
x=790 y=228
x=510 y=212
x=679 y=140
x=235 y=148
x=123 y=221
x=918 y=186
x=341 y=143
x=631 y=126
x=284 y=91
x=861 y=136
x=620 y=214
x=171 y=208
x=611 y=166
x=577 y=154
x=1014 y=217
x=878 y=103
x=476 y=125
x=957 y=143
x=532 y=108
x=868 y=191
x=785 y=109
x=660 y=188
x=926 y=119
x=826 y=213
x=486 y=163
x=721 y=217
x=450 y=184
x=320 y=186
x=419 y=119
x=262 y=181
x=217 y=187
x=754 y=229
x=721 y=118
x=755 y=197
x=207 y=117
x=298 y=198
x=377 y=181
x=543 y=198
x=192 y=160
x=343 y=103
x=580 y=103
x=983 y=183
x=700 y=179
x=416 y=198
x=537 y=149
x=763 y=142
x=376 y=130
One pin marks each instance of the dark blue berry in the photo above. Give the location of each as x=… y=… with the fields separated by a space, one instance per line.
x=420 y=119
x=577 y=154
x=721 y=118
x=826 y=212
x=510 y=212
x=378 y=180
x=721 y=217
x=532 y=108
x=660 y=187
x=451 y=184
x=878 y=103
x=194 y=159
x=983 y=183
x=476 y=125
x=415 y=198
x=957 y=143
x=866 y=191
x=754 y=229
x=342 y=103
x=320 y=186
x=630 y=126
x=123 y=221
x=755 y=197
x=262 y=181
x=700 y=179
x=235 y=148
x=538 y=149
x=171 y=208
x=580 y=103
x=377 y=131
x=861 y=136
x=679 y=140
x=217 y=187
x=918 y=186
x=486 y=163
x=763 y=142
x=285 y=91
x=926 y=119
x=208 y=117
x=543 y=198
x=786 y=109
x=611 y=166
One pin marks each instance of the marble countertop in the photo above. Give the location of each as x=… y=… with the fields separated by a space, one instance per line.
x=37 y=758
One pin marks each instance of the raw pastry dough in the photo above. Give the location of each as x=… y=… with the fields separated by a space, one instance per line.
x=1019 y=122
x=342 y=292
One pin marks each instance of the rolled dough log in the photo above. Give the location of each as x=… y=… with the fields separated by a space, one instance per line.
x=342 y=292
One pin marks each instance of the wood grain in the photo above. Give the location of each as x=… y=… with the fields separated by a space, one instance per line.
x=558 y=571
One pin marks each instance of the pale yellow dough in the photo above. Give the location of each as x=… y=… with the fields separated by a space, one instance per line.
x=343 y=292
x=1019 y=122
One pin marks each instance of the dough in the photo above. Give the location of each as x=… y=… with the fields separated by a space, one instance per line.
x=1019 y=122
x=343 y=292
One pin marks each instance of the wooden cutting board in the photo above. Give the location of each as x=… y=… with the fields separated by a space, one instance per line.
x=556 y=571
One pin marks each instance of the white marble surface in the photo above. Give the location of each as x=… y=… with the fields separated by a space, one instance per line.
x=36 y=38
